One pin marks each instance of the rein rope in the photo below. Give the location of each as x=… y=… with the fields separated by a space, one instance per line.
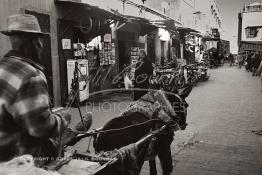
x=99 y=131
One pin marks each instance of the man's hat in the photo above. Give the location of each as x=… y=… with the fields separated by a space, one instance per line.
x=22 y=23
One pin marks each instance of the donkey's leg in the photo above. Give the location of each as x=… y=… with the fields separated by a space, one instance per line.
x=141 y=154
x=166 y=161
x=164 y=153
x=152 y=165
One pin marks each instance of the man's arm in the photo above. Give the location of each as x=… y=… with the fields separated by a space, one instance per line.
x=31 y=108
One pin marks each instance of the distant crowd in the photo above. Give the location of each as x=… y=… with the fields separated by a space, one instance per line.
x=252 y=62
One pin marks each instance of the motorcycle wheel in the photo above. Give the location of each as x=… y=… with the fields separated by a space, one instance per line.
x=179 y=82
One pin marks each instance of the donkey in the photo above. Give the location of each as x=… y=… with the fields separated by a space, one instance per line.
x=115 y=140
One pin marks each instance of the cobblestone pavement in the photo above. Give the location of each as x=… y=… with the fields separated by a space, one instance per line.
x=221 y=115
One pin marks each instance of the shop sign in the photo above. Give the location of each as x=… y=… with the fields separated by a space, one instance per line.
x=107 y=38
x=66 y=44
x=190 y=43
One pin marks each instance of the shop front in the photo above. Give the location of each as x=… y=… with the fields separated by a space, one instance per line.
x=212 y=41
x=190 y=44
x=99 y=44
x=135 y=34
x=87 y=52
x=251 y=46
x=166 y=41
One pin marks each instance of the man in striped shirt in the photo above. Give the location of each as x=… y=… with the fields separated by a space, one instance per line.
x=27 y=124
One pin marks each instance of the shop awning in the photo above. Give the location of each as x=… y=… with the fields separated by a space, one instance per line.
x=209 y=37
x=168 y=25
x=248 y=27
x=187 y=29
x=145 y=25
x=251 y=42
x=106 y=13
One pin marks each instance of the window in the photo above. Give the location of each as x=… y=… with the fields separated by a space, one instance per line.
x=256 y=8
x=251 y=32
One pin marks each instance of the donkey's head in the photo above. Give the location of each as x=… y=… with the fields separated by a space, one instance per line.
x=179 y=104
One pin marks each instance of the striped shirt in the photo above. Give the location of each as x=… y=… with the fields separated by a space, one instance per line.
x=25 y=115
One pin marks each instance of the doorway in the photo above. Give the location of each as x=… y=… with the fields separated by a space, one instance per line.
x=122 y=54
x=162 y=46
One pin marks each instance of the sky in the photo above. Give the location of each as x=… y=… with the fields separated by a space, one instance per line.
x=229 y=10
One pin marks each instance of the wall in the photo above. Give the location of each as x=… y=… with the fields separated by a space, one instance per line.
x=9 y=7
x=180 y=10
x=187 y=10
x=207 y=18
x=250 y=19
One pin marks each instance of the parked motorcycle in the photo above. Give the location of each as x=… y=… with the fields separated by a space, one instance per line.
x=179 y=79
x=204 y=74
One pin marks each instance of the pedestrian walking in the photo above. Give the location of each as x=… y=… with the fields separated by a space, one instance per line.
x=143 y=73
x=240 y=59
x=222 y=58
x=231 y=59
x=27 y=125
x=127 y=77
x=248 y=65
x=256 y=62
x=259 y=72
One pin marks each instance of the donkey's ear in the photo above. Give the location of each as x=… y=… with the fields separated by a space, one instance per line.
x=184 y=93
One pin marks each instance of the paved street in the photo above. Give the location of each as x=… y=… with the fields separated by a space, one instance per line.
x=221 y=115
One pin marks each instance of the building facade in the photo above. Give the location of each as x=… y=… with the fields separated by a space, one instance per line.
x=250 y=28
x=208 y=21
x=108 y=35
x=102 y=38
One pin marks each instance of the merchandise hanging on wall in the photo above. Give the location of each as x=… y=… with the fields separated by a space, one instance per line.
x=107 y=52
x=134 y=55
